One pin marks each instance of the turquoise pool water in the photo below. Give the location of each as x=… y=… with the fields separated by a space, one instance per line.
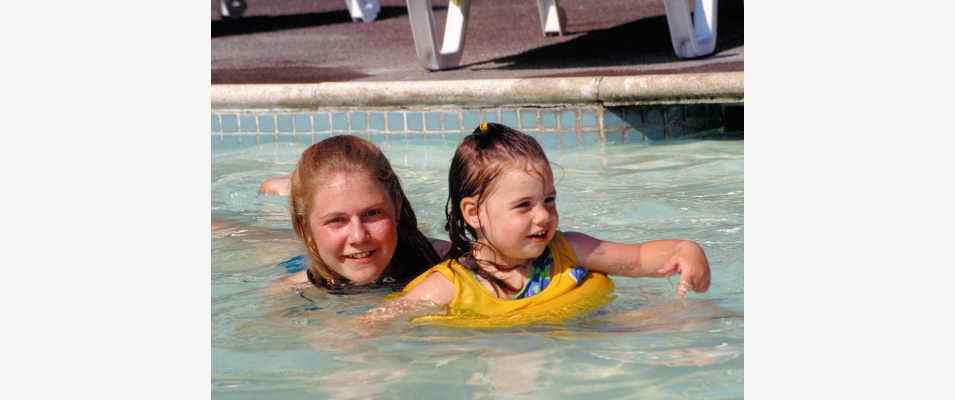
x=645 y=344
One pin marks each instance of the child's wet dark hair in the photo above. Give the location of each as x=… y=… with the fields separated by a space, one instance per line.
x=479 y=159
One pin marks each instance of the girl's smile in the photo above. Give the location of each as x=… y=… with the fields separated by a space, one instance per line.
x=519 y=217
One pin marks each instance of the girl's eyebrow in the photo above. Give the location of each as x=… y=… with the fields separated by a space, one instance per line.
x=529 y=198
x=333 y=214
x=521 y=200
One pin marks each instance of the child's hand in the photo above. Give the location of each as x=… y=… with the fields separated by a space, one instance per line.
x=278 y=186
x=689 y=260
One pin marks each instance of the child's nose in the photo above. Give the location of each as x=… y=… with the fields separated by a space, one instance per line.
x=357 y=232
x=542 y=214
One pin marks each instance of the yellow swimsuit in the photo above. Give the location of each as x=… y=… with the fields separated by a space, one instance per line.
x=571 y=291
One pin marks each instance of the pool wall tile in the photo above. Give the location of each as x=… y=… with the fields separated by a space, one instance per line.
x=321 y=122
x=376 y=121
x=588 y=139
x=284 y=138
x=230 y=123
x=509 y=118
x=456 y=137
x=302 y=123
x=615 y=137
x=702 y=118
x=546 y=141
x=653 y=116
x=247 y=123
x=339 y=121
x=452 y=121
x=415 y=122
x=633 y=136
x=231 y=141
x=284 y=123
x=491 y=116
x=318 y=137
x=568 y=120
x=548 y=120
x=588 y=119
x=528 y=119
x=471 y=120
x=358 y=121
x=266 y=123
x=613 y=118
x=562 y=127
x=264 y=139
x=433 y=122
x=396 y=122
x=675 y=119
x=654 y=133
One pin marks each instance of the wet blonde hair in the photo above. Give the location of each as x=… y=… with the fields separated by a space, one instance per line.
x=354 y=155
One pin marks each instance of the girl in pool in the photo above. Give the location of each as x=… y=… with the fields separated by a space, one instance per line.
x=505 y=245
x=349 y=210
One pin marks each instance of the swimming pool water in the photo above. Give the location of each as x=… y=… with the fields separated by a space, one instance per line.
x=645 y=344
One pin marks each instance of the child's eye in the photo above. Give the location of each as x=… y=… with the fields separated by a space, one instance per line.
x=523 y=204
x=550 y=199
x=335 y=221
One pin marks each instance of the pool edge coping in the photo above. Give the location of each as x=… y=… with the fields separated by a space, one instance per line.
x=695 y=88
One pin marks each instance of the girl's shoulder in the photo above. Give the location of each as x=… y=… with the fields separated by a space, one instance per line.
x=567 y=245
x=580 y=243
x=435 y=285
x=291 y=282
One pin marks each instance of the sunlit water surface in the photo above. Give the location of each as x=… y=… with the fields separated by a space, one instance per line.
x=645 y=344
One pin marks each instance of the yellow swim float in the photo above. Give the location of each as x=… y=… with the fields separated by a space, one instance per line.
x=572 y=291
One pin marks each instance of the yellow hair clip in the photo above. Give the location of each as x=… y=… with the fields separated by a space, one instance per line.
x=483 y=127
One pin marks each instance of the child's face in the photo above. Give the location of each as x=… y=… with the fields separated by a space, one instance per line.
x=353 y=224
x=519 y=215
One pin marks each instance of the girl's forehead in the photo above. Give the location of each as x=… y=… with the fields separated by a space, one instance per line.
x=523 y=173
x=539 y=169
x=347 y=188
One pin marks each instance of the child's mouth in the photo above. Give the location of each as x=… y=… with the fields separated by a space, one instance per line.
x=360 y=256
x=540 y=236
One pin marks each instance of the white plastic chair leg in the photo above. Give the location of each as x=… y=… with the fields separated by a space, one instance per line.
x=692 y=37
x=425 y=33
x=231 y=8
x=364 y=10
x=549 y=12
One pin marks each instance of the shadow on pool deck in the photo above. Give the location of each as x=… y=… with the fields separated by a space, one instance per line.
x=299 y=41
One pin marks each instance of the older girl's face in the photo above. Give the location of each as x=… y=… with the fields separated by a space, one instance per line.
x=353 y=223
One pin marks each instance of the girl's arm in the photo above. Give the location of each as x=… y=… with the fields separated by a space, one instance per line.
x=655 y=258
x=279 y=186
x=285 y=284
x=434 y=291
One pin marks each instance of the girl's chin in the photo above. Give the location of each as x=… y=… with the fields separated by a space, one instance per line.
x=363 y=274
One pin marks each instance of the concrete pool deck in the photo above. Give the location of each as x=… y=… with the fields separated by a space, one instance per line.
x=307 y=54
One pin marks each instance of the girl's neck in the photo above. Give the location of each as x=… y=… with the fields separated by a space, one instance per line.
x=511 y=274
x=496 y=262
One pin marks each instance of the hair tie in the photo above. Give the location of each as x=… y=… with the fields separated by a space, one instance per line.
x=483 y=127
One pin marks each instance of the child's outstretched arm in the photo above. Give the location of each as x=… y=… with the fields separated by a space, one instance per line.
x=655 y=258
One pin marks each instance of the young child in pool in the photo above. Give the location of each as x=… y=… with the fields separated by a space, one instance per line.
x=505 y=244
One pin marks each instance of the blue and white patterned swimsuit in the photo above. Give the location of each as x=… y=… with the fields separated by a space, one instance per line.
x=540 y=275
